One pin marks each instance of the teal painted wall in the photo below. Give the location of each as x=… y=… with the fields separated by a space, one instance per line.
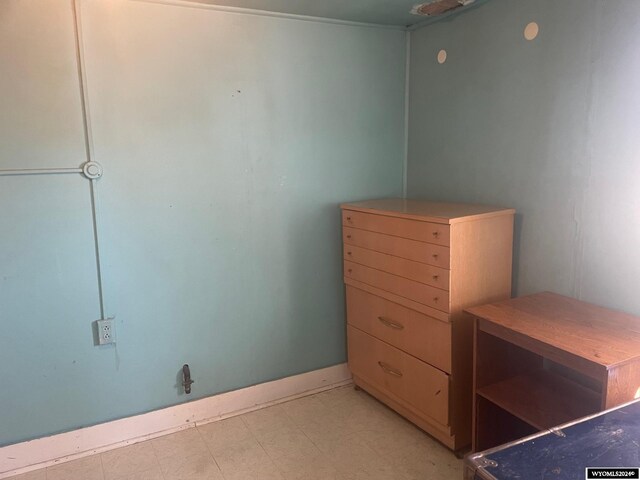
x=549 y=127
x=227 y=142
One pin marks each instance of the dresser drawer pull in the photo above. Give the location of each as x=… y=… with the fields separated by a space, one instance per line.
x=391 y=324
x=436 y=234
x=391 y=371
x=349 y=253
x=435 y=277
x=348 y=219
x=435 y=299
x=349 y=236
x=435 y=255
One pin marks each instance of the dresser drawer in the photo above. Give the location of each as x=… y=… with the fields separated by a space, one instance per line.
x=419 y=292
x=419 y=335
x=420 y=272
x=400 y=227
x=422 y=386
x=429 y=253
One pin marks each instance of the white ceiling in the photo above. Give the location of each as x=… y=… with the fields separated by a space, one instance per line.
x=384 y=12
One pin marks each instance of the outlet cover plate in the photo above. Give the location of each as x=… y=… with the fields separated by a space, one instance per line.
x=106 y=331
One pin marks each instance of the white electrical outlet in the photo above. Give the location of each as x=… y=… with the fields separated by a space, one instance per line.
x=106 y=331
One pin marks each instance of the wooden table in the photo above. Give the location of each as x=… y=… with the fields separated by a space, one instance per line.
x=545 y=359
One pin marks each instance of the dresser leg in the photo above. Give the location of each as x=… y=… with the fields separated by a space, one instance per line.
x=356 y=387
x=462 y=452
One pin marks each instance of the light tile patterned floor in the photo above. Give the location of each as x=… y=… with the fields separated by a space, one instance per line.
x=341 y=434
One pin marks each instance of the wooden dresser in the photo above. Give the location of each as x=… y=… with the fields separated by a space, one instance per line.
x=410 y=269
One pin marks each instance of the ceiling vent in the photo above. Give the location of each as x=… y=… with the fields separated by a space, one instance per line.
x=438 y=7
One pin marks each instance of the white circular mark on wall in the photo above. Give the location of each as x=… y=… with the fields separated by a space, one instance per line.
x=531 y=31
x=442 y=56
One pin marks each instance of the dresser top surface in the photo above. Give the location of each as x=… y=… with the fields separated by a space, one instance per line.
x=437 y=212
x=602 y=336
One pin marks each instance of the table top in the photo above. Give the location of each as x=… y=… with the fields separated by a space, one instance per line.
x=438 y=212
x=602 y=336
x=607 y=439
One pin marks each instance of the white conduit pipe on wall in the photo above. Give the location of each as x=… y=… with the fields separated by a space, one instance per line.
x=90 y=169
x=39 y=171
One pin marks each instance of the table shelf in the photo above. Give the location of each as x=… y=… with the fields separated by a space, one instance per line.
x=542 y=398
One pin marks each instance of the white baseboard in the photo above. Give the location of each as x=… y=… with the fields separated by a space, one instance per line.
x=27 y=456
